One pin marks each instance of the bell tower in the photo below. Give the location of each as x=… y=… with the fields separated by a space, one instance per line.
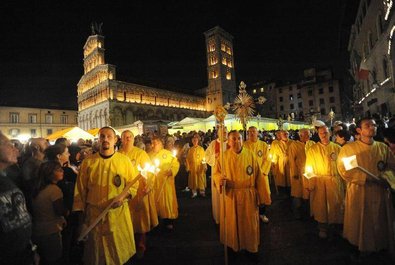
x=220 y=68
x=97 y=84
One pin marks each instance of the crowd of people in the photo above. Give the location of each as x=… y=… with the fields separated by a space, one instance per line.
x=50 y=195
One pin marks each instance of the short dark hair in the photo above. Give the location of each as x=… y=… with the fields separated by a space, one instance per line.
x=108 y=127
x=61 y=140
x=344 y=134
x=359 y=123
x=52 y=151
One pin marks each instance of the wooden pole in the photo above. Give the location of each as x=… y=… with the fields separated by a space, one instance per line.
x=122 y=195
x=221 y=156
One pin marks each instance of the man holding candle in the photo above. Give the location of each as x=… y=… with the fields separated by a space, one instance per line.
x=297 y=160
x=325 y=186
x=101 y=178
x=142 y=206
x=369 y=214
x=196 y=167
x=261 y=151
x=164 y=187
x=280 y=166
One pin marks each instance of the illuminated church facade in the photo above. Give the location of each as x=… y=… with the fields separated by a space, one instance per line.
x=105 y=101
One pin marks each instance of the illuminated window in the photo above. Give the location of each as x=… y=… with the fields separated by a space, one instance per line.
x=213 y=60
x=228 y=76
x=228 y=50
x=48 y=118
x=63 y=119
x=223 y=47
x=213 y=74
x=99 y=44
x=254 y=91
x=14 y=117
x=230 y=65
x=224 y=61
x=32 y=118
x=14 y=132
x=110 y=76
x=262 y=89
x=211 y=47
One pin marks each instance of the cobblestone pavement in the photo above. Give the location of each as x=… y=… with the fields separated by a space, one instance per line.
x=284 y=240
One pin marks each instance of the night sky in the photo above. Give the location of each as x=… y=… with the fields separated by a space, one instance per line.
x=162 y=42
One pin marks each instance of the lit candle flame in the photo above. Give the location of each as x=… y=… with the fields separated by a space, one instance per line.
x=309 y=172
x=350 y=162
x=148 y=168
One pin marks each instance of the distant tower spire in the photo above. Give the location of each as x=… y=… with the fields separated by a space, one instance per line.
x=220 y=68
x=96 y=28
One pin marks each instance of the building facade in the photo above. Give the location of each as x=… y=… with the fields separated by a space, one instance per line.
x=103 y=100
x=314 y=97
x=24 y=123
x=371 y=49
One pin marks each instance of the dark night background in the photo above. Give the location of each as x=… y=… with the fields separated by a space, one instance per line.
x=41 y=42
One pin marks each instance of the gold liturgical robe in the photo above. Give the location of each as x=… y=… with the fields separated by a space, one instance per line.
x=166 y=202
x=261 y=151
x=327 y=189
x=194 y=164
x=98 y=182
x=143 y=210
x=241 y=200
x=279 y=152
x=369 y=213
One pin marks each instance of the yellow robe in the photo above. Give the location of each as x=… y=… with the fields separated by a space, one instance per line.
x=279 y=153
x=212 y=155
x=369 y=214
x=242 y=199
x=327 y=190
x=143 y=210
x=309 y=144
x=98 y=182
x=166 y=202
x=297 y=160
x=261 y=151
x=193 y=164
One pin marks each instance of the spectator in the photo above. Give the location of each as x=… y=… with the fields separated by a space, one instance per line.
x=49 y=213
